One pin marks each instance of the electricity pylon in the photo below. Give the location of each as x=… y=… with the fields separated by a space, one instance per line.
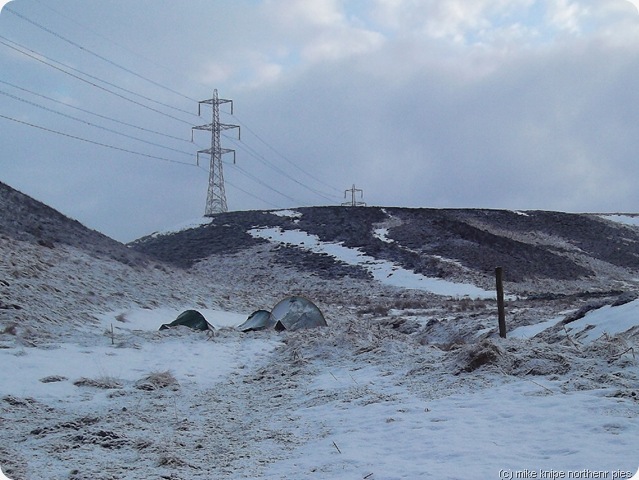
x=216 y=196
x=353 y=202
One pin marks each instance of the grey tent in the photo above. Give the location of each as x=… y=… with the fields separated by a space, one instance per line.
x=294 y=313
x=257 y=320
x=189 y=318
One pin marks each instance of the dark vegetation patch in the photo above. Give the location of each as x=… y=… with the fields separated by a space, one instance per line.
x=601 y=239
x=585 y=309
x=226 y=234
x=157 y=381
x=402 y=325
x=75 y=425
x=322 y=264
x=103 y=438
x=53 y=379
x=448 y=233
x=18 y=401
x=350 y=225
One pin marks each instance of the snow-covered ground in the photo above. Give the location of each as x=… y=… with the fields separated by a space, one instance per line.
x=90 y=389
x=346 y=402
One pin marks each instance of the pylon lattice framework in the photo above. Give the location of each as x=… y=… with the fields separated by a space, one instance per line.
x=353 y=202
x=216 y=196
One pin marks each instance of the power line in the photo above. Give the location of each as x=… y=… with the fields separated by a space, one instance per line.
x=110 y=146
x=262 y=159
x=92 y=124
x=113 y=147
x=263 y=183
x=74 y=137
x=281 y=155
x=247 y=148
x=104 y=37
x=34 y=55
x=91 y=52
x=95 y=114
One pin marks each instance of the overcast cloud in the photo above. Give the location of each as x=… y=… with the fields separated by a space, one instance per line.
x=516 y=104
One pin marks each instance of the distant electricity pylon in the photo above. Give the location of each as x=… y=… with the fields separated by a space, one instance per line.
x=216 y=196
x=353 y=202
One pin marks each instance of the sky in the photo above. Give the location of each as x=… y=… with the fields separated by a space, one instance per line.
x=515 y=104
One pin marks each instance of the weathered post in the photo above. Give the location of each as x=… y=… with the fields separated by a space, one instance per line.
x=501 y=312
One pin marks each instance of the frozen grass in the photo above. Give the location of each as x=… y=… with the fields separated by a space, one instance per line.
x=157 y=380
x=105 y=382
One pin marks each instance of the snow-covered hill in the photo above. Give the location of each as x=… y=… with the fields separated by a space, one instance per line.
x=409 y=380
x=540 y=252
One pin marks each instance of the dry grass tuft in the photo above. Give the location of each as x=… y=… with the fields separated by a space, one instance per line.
x=11 y=329
x=157 y=380
x=105 y=382
x=477 y=355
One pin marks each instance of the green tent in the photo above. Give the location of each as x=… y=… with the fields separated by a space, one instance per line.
x=189 y=318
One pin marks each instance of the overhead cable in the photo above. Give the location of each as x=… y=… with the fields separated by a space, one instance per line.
x=281 y=155
x=95 y=114
x=263 y=183
x=113 y=147
x=93 y=124
x=97 y=55
x=262 y=159
x=93 y=31
x=39 y=57
x=35 y=55
x=111 y=62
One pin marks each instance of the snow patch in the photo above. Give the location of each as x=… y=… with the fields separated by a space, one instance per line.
x=466 y=435
x=607 y=320
x=287 y=213
x=382 y=234
x=147 y=319
x=384 y=271
x=529 y=331
x=187 y=354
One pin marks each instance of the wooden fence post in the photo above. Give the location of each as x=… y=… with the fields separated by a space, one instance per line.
x=499 y=274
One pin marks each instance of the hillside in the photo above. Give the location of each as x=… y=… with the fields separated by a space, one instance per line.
x=28 y=220
x=56 y=274
x=92 y=390
x=538 y=250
